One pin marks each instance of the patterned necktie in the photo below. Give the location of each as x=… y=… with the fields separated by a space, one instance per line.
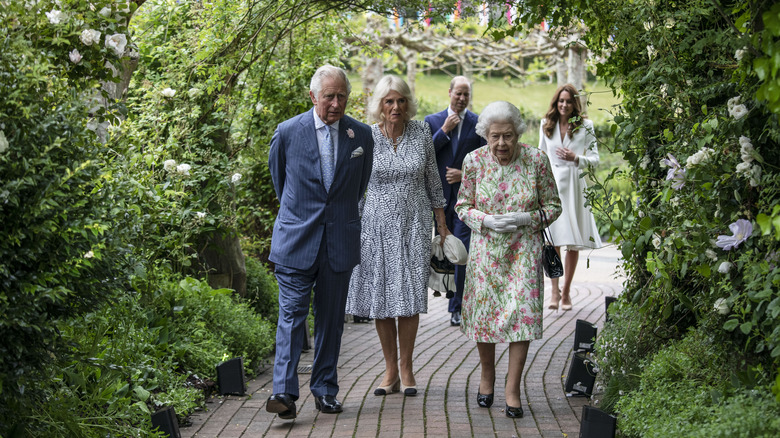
x=326 y=159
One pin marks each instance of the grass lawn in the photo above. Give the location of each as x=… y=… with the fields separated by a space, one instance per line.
x=533 y=99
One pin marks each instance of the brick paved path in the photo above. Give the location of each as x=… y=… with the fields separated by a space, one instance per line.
x=447 y=372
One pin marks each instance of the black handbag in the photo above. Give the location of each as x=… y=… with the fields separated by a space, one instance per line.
x=442 y=277
x=551 y=261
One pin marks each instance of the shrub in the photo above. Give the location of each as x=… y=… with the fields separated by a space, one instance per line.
x=262 y=291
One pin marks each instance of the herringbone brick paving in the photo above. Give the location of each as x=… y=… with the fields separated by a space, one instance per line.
x=447 y=372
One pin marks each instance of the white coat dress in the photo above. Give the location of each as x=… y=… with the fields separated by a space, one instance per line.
x=575 y=228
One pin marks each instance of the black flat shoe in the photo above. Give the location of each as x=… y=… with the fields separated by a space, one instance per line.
x=282 y=405
x=514 y=412
x=484 y=400
x=327 y=404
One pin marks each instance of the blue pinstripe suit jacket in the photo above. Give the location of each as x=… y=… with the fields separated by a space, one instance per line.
x=307 y=211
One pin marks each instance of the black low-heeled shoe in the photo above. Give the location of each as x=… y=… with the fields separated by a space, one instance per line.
x=484 y=400
x=513 y=412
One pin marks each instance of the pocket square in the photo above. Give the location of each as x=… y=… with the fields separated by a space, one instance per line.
x=357 y=152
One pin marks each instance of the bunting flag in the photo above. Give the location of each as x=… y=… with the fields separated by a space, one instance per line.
x=456 y=15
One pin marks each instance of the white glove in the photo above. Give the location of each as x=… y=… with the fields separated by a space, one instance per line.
x=519 y=218
x=499 y=223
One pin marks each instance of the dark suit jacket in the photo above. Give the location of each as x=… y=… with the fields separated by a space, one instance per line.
x=306 y=209
x=468 y=141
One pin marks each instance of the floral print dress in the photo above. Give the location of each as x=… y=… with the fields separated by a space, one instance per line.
x=502 y=300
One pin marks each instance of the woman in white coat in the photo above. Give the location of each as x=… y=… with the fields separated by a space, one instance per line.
x=569 y=141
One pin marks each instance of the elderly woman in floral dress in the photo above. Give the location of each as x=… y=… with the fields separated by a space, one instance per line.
x=505 y=185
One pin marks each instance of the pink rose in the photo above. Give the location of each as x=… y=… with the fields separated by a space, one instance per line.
x=350 y=133
x=503 y=186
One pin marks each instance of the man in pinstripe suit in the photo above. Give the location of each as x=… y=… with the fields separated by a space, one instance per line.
x=320 y=163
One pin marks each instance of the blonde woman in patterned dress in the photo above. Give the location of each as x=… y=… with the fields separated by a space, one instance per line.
x=390 y=284
x=504 y=186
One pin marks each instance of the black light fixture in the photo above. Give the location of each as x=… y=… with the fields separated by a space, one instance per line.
x=582 y=377
x=230 y=377
x=165 y=421
x=584 y=335
x=607 y=301
x=597 y=423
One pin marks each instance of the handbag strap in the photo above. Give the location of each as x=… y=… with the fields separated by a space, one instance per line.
x=546 y=235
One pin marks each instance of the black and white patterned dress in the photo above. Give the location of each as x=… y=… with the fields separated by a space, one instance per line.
x=395 y=242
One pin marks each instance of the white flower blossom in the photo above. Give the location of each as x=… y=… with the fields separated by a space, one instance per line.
x=183 y=169
x=236 y=178
x=645 y=162
x=168 y=92
x=721 y=306
x=117 y=43
x=169 y=165
x=651 y=52
x=736 y=109
x=670 y=22
x=648 y=25
x=56 y=17
x=3 y=142
x=194 y=92
x=746 y=149
x=664 y=89
x=725 y=267
x=699 y=157
x=711 y=254
x=739 y=54
x=89 y=255
x=89 y=36
x=75 y=56
x=259 y=107
x=755 y=175
x=656 y=241
x=201 y=214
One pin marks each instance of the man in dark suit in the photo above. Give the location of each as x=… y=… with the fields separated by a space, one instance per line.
x=454 y=136
x=320 y=163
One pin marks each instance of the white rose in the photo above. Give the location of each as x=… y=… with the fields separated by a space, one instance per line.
x=236 y=178
x=721 y=306
x=168 y=92
x=117 y=43
x=75 y=56
x=183 y=169
x=739 y=111
x=89 y=36
x=3 y=142
x=56 y=17
x=739 y=54
x=89 y=255
x=725 y=267
x=169 y=165
x=734 y=101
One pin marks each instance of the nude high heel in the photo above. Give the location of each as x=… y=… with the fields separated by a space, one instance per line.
x=565 y=306
x=385 y=390
x=554 y=302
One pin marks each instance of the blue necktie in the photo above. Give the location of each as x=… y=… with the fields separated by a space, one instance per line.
x=454 y=140
x=326 y=159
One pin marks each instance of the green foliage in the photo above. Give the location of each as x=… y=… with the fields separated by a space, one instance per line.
x=262 y=291
x=60 y=251
x=691 y=378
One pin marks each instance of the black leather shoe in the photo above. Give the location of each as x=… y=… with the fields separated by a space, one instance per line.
x=283 y=405
x=455 y=318
x=514 y=412
x=484 y=400
x=327 y=404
